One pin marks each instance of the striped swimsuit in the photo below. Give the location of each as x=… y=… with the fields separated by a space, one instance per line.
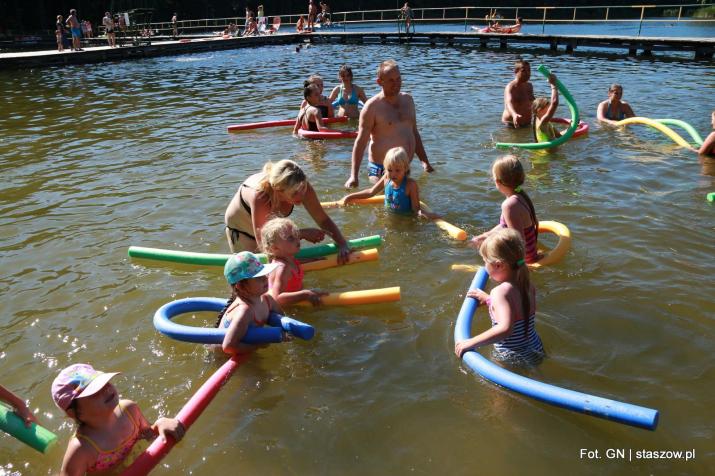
x=520 y=346
x=530 y=235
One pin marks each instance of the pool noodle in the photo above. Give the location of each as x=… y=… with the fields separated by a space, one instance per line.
x=374 y=200
x=571 y=400
x=684 y=125
x=159 y=448
x=35 y=436
x=278 y=123
x=670 y=133
x=218 y=259
x=453 y=231
x=353 y=298
x=331 y=261
x=566 y=135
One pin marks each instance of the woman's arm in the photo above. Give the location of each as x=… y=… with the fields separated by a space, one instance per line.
x=260 y=211
x=315 y=209
x=361 y=94
x=334 y=94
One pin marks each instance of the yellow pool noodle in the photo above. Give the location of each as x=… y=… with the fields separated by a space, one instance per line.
x=352 y=298
x=331 y=261
x=656 y=125
x=453 y=231
x=374 y=200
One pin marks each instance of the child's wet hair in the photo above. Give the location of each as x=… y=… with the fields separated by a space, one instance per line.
x=509 y=172
x=312 y=79
x=277 y=229
x=310 y=89
x=397 y=156
x=507 y=246
x=539 y=103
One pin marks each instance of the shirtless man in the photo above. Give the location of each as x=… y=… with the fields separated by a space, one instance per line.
x=518 y=96
x=76 y=29
x=389 y=120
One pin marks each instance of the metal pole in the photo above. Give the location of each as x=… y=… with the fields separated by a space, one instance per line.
x=640 y=25
x=466 y=15
x=607 y=9
x=680 y=12
x=543 y=22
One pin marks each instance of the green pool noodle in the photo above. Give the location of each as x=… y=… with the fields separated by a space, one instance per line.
x=685 y=126
x=35 y=436
x=711 y=197
x=216 y=259
x=566 y=135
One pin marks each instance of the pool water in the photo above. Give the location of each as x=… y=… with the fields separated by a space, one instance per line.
x=100 y=157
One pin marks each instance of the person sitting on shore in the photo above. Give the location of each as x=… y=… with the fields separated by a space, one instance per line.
x=614 y=109
x=251 y=27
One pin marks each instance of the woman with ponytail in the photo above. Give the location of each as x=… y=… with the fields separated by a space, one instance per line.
x=512 y=304
x=273 y=193
x=517 y=210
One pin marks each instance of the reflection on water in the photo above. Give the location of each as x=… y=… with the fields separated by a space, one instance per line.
x=99 y=157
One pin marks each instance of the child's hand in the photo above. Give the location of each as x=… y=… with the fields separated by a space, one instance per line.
x=461 y=347
x=314 y=295
x=313 y=235
x=477 y=241
x=169 y=426
x=552 y=79
x=478 y=294
x=428 y=215
x=26 y=415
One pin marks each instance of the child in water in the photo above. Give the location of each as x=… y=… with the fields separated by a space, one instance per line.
x=310 y=118
x=512 y=304
x=104 y=421
x=517 y=210
x=347 y=96
x=280 y=238
x=324 y=104
x=249 y=304
x=402 y=195
x=708 y=147
x=543 y=110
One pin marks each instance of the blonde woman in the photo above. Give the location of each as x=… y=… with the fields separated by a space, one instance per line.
x=274 y=192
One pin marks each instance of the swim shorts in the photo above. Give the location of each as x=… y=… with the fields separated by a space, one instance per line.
x=76 y=32
x=375 y=170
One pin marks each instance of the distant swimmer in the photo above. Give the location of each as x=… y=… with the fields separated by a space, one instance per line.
x=388 y=120
x=614 y=109
x=518 y=96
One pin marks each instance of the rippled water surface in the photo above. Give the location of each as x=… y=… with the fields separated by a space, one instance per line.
x=100 y=157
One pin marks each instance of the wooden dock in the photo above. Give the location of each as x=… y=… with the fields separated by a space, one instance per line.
x=700 y=48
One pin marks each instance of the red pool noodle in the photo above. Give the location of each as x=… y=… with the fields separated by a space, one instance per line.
x=146 y=461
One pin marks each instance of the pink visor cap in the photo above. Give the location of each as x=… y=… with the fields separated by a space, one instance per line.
x=77 y=381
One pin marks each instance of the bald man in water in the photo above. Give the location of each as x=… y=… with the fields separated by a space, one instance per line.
x=388 y=120
x=518 y=96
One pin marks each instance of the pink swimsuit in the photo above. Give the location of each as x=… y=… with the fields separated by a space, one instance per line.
x=107 y=459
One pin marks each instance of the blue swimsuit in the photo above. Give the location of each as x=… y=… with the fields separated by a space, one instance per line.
x=340 y=101
x=620 y=116
x=396 y=199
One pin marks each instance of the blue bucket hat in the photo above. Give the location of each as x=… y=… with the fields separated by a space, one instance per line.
x=245 y=265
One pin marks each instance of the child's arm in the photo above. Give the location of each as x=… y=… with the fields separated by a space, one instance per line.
x=162 y=427
x=77 y=459
x=239 y=325
x=554 y=100
x=413 y=191
x=315 y=112
x=331 y=111
x=502 y=314
x=298 y=121
x=367 y=193
x=279 y=280
x=18 y=404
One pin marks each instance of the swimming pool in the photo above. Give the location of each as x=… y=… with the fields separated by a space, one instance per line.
x=99 y=157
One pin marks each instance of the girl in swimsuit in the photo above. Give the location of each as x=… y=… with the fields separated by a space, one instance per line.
x=402 y=194
x=324 y=104
x=107 y=427
x=512 y=304
x=310 y=118
x=543 y=110
x=281 y=241
x=347 y=96
x=517 y=210
x=250 y=304
x=614 y=109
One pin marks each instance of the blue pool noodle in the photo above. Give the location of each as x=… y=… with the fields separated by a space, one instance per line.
x=210 y=335
x=580 y=402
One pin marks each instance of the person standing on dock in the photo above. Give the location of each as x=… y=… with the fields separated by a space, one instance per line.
x=518 y=96
x=312 y=14
x=60 y=33
x=387 y=120
x=175 y=26
x=614 y=108
x=76 y=29
x=108 y=23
